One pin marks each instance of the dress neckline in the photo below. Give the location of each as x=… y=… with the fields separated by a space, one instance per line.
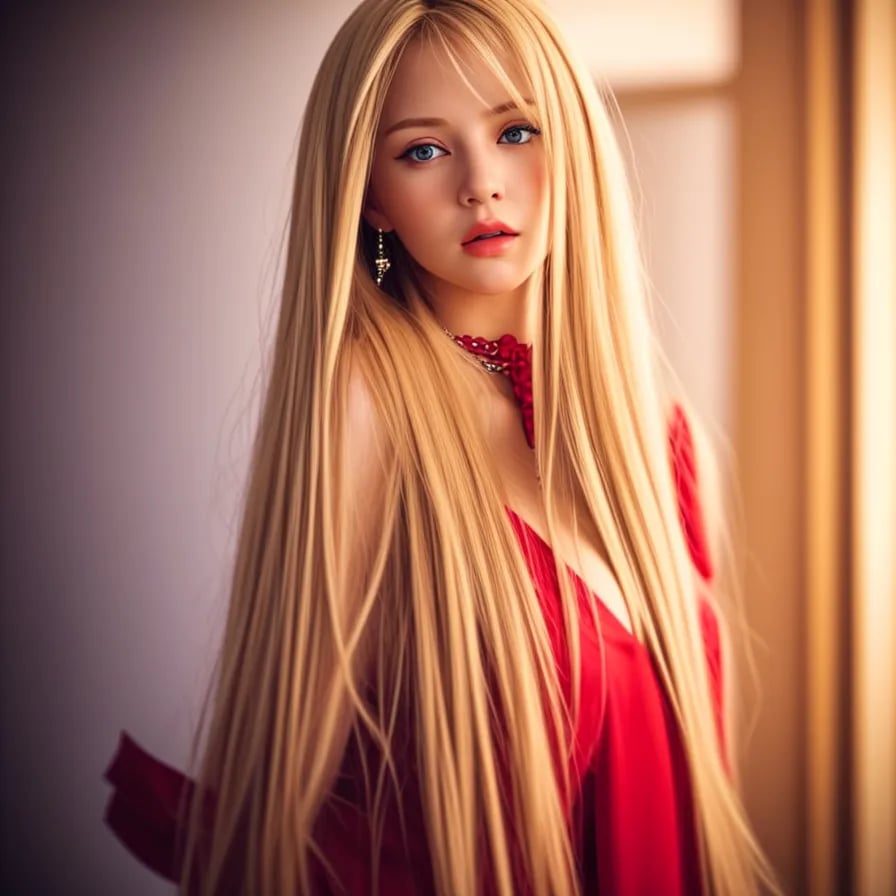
x=512 y=357
x=546 y=548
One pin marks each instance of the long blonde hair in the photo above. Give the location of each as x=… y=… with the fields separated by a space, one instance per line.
x=448 y=612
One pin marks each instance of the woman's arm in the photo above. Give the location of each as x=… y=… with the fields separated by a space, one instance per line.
x=362 y=474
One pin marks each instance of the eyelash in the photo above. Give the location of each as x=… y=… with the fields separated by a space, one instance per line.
x=531 y=129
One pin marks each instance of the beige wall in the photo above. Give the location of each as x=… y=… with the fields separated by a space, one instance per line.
x=682 y=156
x=638 y=44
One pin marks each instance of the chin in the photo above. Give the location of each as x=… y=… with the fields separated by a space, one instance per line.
x=500 y=289
x=492 y=283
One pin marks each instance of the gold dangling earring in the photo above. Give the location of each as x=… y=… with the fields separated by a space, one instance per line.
x=382 y=260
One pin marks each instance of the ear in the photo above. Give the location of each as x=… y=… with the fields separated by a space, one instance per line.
x=374 y=217
x=377 y=220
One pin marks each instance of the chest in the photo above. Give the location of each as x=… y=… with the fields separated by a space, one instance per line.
x=583 y=551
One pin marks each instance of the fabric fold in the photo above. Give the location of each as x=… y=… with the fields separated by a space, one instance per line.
x=143 y=810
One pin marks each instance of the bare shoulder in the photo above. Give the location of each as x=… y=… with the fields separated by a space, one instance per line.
x=364 y=461
x=363 y=431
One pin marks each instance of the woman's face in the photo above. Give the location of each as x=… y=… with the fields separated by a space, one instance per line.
x=433 y=180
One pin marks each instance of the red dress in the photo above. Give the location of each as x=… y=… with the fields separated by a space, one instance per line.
x=633 y=829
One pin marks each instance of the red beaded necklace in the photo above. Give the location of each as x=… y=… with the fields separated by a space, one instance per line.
x=509 y=356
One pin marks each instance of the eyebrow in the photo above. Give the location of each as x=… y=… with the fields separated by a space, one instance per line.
x=434 y=122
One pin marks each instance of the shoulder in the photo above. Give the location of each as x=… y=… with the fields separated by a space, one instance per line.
x=364 y=455
x=360 y=406
x=363 y=429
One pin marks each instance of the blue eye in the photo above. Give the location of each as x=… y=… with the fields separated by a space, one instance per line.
x=519 y=129
x=522 y=129
x=429 y=147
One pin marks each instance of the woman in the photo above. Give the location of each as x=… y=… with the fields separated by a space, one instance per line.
x=467 y=647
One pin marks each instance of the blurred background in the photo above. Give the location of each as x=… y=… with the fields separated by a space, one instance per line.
x=148 y=153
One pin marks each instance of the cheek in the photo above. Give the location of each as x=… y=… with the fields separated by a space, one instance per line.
x=541 y=197
x=539 y=180
x=413 y=206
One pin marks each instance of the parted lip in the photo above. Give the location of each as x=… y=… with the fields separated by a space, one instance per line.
x=491 y=226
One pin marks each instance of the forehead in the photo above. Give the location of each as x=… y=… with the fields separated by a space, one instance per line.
x=427 y=81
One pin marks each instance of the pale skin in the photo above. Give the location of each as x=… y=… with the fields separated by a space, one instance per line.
x=430 y=183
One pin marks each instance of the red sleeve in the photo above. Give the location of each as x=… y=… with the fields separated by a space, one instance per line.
x=709 y=627
x=684 y=470
x=143 y=809
x=143 y=813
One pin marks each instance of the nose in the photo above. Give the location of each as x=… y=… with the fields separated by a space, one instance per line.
x=481 y=183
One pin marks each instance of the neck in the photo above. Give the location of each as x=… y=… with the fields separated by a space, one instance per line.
x=486 y=316
x=505 y=355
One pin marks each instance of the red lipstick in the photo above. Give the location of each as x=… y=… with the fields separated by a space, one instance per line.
x=488 y=230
